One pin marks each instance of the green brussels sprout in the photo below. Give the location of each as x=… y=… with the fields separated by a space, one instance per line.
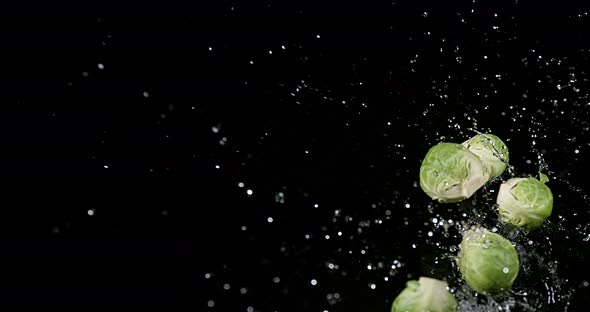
x=425 y=295
x=491 y=150
x=488 y=262
x=451 y=173
x=525 y=202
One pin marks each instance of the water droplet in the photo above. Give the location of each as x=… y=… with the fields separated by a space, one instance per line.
x=280 y=197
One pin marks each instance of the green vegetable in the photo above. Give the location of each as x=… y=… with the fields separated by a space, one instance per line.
x=451 y=173
x=425 y=295
x=491 y=150
x=525 y=202
x=488 y=262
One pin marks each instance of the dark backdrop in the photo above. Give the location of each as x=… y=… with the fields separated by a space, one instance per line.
x=233 y=156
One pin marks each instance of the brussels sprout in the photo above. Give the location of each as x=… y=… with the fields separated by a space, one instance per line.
x=488 y=262
x=425 y=295
x=525 y=202
x=491 y=150
x=451 y=173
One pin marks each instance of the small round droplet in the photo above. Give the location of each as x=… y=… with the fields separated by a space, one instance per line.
x=505 y=270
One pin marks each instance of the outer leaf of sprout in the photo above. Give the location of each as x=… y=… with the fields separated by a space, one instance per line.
x=451 y=173
x=488 y=262
x=425 y=295
x=525 y=202
x=491 y=150
x=543 y=178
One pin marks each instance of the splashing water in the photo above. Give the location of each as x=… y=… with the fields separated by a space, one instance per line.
x=366 y=243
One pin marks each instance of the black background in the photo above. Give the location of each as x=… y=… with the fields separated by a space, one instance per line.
x=365 y=88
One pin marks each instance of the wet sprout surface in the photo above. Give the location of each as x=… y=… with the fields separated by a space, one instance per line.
x=425 y=294
x=491 y=150
x=488 y=262
x=451 y=173
x=525 y=202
